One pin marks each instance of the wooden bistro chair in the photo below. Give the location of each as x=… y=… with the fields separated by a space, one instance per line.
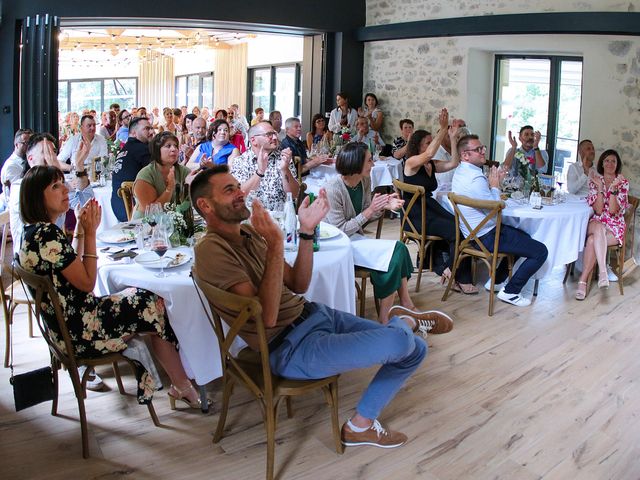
x=471 y=246
x=364 y=275
x=297 y=161
x=409 y=232
x=125 y=192
x=12 y=295
x=44 y=292
x=252 y=369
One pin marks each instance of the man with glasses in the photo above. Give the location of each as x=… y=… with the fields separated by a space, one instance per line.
x=87 y=136
x=470 y=181
x=265 y=171
x=133 y=157
x=16 y=165
x=529 y=149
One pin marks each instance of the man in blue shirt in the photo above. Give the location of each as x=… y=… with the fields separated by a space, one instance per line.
x=529 y=151
x=470 y=181
x=133 y=157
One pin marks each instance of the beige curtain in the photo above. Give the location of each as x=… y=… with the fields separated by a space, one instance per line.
x=231 y=77
x=156 y=82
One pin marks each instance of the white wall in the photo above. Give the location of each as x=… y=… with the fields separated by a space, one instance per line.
x=274 y=49
x=195 y=60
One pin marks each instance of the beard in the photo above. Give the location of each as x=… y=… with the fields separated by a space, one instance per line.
x=236 y=212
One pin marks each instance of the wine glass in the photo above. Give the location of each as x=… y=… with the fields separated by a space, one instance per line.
x=160 y=245
x=559 y=180
x=152 y=212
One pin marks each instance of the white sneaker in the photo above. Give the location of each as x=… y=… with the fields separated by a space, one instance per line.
x=513 y=298
x=94 y=382
x=612 y=276
x=496 y=287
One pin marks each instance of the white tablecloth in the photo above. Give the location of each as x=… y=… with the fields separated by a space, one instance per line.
x=382 y=175
x=103 y=196
x=562 y=228
x=332 y=283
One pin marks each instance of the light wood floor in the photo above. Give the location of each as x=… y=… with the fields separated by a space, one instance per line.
x=550 y=391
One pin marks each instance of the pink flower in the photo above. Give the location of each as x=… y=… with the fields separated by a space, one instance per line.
x=346 y=136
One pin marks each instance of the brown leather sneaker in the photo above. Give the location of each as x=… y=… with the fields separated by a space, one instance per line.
x=376 y=435
x=429 y=321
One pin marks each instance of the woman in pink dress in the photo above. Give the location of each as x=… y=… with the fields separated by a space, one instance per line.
x=608 y=191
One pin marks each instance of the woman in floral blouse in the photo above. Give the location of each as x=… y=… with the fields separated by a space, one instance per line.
x=608 y=191
x=97 y=325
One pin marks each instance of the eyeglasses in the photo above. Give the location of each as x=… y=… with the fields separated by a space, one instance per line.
x=267 y=134
x=481 y=149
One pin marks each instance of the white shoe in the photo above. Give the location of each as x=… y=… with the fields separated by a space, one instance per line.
x=496 y=287
x=94 y=382
x=513 y=298
x=612 y=276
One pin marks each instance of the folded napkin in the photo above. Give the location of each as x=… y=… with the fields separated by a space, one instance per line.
x=371 y=252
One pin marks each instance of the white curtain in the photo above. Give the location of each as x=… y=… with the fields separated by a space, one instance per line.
x=231 y=77
x=156 y=82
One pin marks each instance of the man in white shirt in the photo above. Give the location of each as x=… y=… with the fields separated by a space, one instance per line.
x=471 y=182
x=14 y=167
x=578 y=173
x=41 y=151
x=366 y=135
x=88 y=136
x=444 y=151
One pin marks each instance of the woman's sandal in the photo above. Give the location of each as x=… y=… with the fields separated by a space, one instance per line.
x=465 y=288
x=176 y=394
x=581 y=292
x=603 y=280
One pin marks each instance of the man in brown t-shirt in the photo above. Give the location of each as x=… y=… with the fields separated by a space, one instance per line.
x=306 y=340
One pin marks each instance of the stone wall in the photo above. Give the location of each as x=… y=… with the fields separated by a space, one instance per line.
x=393 y=11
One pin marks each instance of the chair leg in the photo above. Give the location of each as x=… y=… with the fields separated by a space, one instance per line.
x=78 y=387
x=535 y=287
x=474 y=271
x=226 y=395
x=116 y=373
x=270 y=425
x=204 y=402
x=363 y=296
x=568 y=271
x=420 y=268
x=30 y=317
x=55 y=366
x=7 y=336
x=154 y=416
x=331 y=395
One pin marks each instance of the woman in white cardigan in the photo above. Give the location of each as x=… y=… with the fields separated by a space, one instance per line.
x=351 y=207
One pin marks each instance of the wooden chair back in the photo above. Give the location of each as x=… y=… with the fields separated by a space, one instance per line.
x=298 y=163
x=125 y=192
x=252 y=369
x=43 y=294
x=409 y=230
x=471 y=245
x=620 y=251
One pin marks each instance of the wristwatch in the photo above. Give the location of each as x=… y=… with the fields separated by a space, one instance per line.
x=81 y=173
x=537 y=149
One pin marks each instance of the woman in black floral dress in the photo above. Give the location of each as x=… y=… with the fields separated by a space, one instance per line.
x=97 y=325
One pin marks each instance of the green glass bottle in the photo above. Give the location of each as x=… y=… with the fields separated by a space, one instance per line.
x=316 y=231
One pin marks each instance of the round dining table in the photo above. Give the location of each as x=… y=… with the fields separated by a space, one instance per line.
x=103 y=197
x=332 y=283
x=562 y=227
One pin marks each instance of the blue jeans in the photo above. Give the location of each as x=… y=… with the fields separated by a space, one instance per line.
x=330 y=342
x=520 y=244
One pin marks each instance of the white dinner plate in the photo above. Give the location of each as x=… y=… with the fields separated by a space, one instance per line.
x=171 y=259
x=328 y=231
x=117 y=236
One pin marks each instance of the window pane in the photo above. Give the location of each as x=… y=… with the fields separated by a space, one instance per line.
x=207 y=91
x=193 y=94
x=86 y=95
x=523 y=99
x=121 y=91
x=261 y=90
x=63 y=96
x=285 y=91
x=566 y=140
x=181 y=92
